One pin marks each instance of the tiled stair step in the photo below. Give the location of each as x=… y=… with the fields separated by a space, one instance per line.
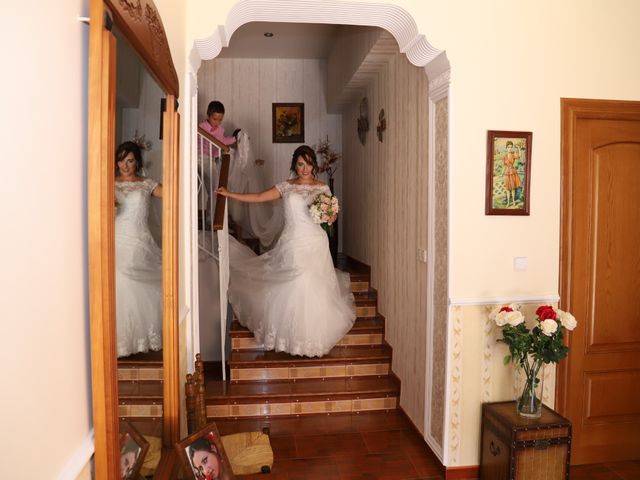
x=359 y=284
x=140 y=400
x=140 y=374
x=366 y=331
x=142 y=367
x=301 y=398
x=339 y=362
x=366 y=306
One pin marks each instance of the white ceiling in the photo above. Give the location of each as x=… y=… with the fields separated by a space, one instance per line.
x=290 y=40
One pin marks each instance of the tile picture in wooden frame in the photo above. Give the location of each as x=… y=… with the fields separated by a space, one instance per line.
x=203 y=457
x=287 y=120
x=133 y=450
x=508 y=173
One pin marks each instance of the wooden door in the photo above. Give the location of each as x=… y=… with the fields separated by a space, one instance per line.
x=599 y=384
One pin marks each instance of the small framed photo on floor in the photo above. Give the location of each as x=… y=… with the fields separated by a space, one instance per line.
x=133 y=450
x=203 y=457
x=508 y=173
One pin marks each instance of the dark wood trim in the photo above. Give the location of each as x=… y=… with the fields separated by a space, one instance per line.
x=142 y=26
x=462 y=473
x=573 y=109
x=221 y=202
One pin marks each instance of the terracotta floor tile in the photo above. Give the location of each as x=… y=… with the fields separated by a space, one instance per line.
x=592 y=472
x=626 y=470
x=310 y=446
x=372 y=422
x=376 y=466
x=405 y=441
x=283 y=447
x=308 y=468
x=426 y=464
x=277 y=473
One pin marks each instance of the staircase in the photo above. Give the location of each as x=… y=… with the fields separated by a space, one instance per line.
x=355 y=376
x=140 y=384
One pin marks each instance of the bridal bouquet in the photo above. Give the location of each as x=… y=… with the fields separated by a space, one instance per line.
x=323 y=210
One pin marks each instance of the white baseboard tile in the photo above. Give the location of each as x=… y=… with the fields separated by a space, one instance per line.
x=79 y=459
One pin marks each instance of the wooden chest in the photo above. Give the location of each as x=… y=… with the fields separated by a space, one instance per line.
x=518 y=448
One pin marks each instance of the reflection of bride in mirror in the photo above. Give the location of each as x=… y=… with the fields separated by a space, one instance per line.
x=138 y=257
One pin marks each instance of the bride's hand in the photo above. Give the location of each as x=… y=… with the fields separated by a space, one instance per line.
x=222 y=191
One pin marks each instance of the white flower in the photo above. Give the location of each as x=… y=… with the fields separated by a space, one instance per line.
x=494 y=312
x=515 y=318
x=515 y=306
x=548 y=327
x=567 y=320
x=511 y=318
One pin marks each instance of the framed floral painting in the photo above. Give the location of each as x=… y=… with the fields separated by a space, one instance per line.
x=288 y=122
x=508 y=173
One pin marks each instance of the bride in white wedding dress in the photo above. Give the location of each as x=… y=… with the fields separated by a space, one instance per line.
x=138 y=257
x=292 y=298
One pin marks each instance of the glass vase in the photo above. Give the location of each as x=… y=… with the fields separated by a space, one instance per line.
x=529 y=403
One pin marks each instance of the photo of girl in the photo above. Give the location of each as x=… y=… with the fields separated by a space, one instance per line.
x=203 y=456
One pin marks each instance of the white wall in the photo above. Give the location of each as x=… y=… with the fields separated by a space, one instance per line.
x=44 y=346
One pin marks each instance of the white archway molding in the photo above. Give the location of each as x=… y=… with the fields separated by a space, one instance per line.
x=401 y=25
x=397 y=21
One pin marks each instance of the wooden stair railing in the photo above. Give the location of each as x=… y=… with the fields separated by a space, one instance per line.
x=195 y=397
x=225 y=158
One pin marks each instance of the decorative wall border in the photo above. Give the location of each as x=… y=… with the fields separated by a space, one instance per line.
x=462 y=301
x=453 y=437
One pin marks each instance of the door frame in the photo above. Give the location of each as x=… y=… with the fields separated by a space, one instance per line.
x=140 y=24
x=572 y=110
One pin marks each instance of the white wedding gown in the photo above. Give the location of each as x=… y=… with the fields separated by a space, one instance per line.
x=138 y=271
x=292 y=298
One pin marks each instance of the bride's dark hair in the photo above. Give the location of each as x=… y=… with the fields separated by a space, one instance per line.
x=309 y=156
x=125 y=149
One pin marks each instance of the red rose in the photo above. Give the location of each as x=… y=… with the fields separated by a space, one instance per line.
x=546 y=312
x=506 y=309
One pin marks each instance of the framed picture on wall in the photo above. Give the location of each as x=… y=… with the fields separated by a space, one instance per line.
x=508 y=173
x=287 y=120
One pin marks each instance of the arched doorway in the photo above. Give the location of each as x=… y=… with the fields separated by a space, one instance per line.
x=420 y=53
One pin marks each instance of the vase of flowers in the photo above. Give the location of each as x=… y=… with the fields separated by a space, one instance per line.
x=329 y=160
x=531 y=349
x=328 y=163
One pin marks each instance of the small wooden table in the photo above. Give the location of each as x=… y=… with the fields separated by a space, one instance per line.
x=515 y=447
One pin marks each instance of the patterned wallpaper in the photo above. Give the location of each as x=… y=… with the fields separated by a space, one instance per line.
x=385 y=213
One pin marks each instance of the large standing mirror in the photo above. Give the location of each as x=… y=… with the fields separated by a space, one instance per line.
x=133 y=232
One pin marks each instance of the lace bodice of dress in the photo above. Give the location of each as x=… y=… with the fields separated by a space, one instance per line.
x=297 y=199
x=133 y=201
x=308 y=192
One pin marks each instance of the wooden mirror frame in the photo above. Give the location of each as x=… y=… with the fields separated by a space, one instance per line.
x=140 y=24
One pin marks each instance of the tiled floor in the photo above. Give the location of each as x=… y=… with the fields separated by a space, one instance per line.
x=374 y=446
x=607 y=471
x=355 y=447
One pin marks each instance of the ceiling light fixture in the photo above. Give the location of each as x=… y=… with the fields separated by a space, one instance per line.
x=268 y=34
